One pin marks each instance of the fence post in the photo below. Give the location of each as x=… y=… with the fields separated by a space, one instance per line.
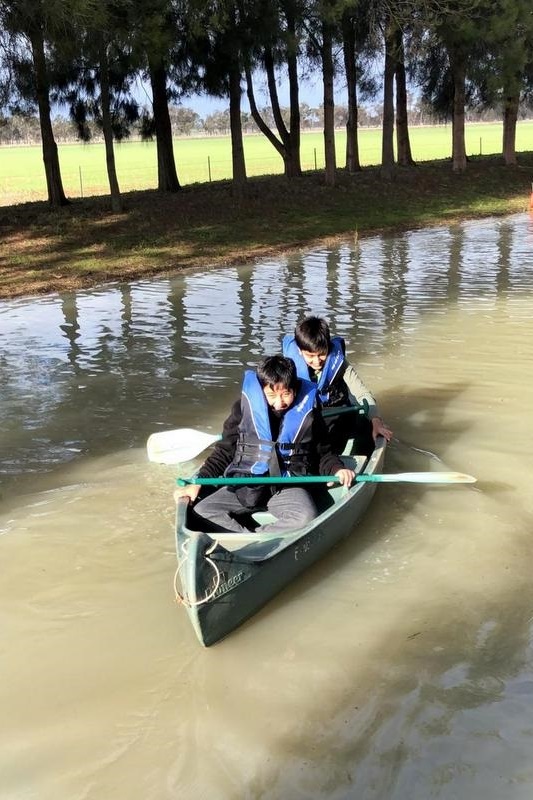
x=81 y=183
x=480 y=147
x=209 y=167
x=314 y=150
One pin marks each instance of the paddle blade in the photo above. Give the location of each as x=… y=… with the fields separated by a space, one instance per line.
x=175 y=447
x=418 y=477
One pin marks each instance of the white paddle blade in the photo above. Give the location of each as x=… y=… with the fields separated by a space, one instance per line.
x=175 y=447
x=426 y=477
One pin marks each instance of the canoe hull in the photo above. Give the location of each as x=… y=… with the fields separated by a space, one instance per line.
x=224 y=587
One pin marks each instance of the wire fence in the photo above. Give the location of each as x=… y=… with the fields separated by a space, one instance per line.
x=84 y=174
x=84 y=180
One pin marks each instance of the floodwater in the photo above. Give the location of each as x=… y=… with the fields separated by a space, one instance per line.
x=400 y=666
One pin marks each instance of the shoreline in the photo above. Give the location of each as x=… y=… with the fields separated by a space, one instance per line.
x=207 y=226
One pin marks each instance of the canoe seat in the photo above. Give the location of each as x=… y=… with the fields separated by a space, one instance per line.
x=263 y=517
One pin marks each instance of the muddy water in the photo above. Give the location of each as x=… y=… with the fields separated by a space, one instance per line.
x=399 y=666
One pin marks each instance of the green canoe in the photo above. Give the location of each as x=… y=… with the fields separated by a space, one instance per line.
x=224 y=578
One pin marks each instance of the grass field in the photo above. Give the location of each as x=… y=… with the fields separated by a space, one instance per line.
x=200 y=160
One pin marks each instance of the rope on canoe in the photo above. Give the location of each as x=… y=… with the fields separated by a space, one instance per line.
x=181 y=598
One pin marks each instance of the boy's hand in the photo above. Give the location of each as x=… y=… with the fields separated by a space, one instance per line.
x=345 y=476
x=379 y=428
x=191 y=491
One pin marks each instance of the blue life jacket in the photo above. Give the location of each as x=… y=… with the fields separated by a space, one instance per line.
x=331 y=388
x=256 y=453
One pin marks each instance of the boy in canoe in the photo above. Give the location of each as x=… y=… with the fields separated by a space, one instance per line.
x=274 y=429
x=320 y=358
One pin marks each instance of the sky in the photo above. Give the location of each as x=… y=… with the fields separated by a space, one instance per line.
x=311 y=93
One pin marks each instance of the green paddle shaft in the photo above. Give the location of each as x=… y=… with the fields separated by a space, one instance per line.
x=398 y=477
x=259 y=481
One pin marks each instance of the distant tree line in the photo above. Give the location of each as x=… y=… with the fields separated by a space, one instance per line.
x=24 y=129
x=464 y=56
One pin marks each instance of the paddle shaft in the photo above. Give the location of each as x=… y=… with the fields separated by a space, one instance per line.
x=398 y=477
x=334 y=411
x=268 y=479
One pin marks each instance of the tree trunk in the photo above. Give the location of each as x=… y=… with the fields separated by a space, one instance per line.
x=403 y=145
x=284 y=134
x=458 y=123
x=283 y=145
x=167 y=178
x=510 y=116
x=294 y=168
x=107 y=128
x=274 y=100
x=348 y=46
x=237 y=147
x=260 y=122
x=54 y=185
x=329 y=106
x=387 y=142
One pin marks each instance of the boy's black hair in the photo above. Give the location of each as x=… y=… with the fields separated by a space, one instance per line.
x=312 y=334
x=277 y=369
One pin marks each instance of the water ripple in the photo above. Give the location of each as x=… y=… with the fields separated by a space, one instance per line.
x=97 y=369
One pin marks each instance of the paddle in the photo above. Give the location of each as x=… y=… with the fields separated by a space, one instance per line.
x=174 y=447
x=183 y=444
x=393 y=477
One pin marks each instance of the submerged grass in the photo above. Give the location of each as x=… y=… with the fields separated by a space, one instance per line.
x=207 y=225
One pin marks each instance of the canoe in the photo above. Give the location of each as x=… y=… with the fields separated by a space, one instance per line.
x=224 y=578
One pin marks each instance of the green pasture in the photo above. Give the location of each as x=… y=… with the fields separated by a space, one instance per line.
x=203 y=159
